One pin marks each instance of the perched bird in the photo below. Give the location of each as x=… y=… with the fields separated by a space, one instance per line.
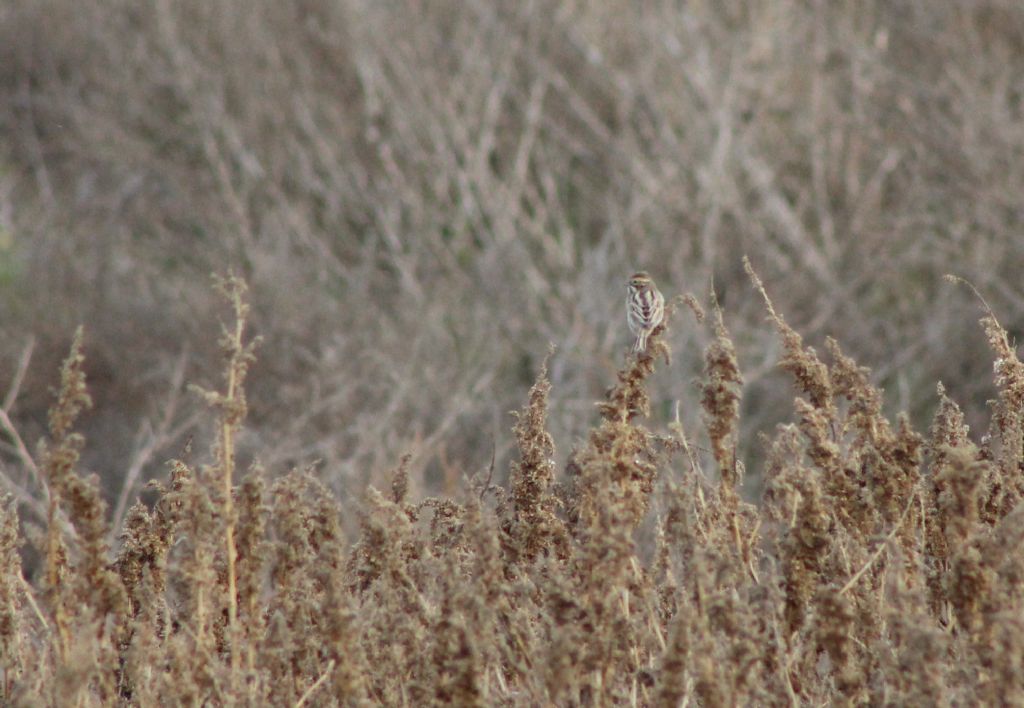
x=645 y=307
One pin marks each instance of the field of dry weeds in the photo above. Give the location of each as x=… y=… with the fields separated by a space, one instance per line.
x=422 y=197
x=883 y=566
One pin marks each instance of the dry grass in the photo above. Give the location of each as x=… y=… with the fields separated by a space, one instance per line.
x=881 y=567
x=421 y=196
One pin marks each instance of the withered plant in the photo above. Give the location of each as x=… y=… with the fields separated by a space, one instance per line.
x=880 y=565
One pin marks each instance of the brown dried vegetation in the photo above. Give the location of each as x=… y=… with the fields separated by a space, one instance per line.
x=881 y=566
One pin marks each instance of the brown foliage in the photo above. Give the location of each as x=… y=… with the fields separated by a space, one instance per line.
x=880 y=567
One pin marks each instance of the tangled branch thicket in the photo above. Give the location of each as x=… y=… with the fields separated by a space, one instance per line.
x=446 y=186
x=882 y=565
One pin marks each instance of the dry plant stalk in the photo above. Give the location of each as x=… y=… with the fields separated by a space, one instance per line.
x=231 y=406
x=535 y=526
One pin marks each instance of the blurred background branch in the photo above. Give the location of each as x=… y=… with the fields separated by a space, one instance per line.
x=422 y=195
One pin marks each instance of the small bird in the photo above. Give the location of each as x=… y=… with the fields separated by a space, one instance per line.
x=645 y=307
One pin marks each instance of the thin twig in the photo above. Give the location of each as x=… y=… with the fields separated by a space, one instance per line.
x=23 y=453
x=956 y=279
x=881 y=548
x=490 y=471
x=788 y=683
x=27 y=589
x=19 y=374
x=316 y=684
x=22 y=495
x=157 y=438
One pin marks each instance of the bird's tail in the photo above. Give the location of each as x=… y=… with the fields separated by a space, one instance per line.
x=640 y=344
